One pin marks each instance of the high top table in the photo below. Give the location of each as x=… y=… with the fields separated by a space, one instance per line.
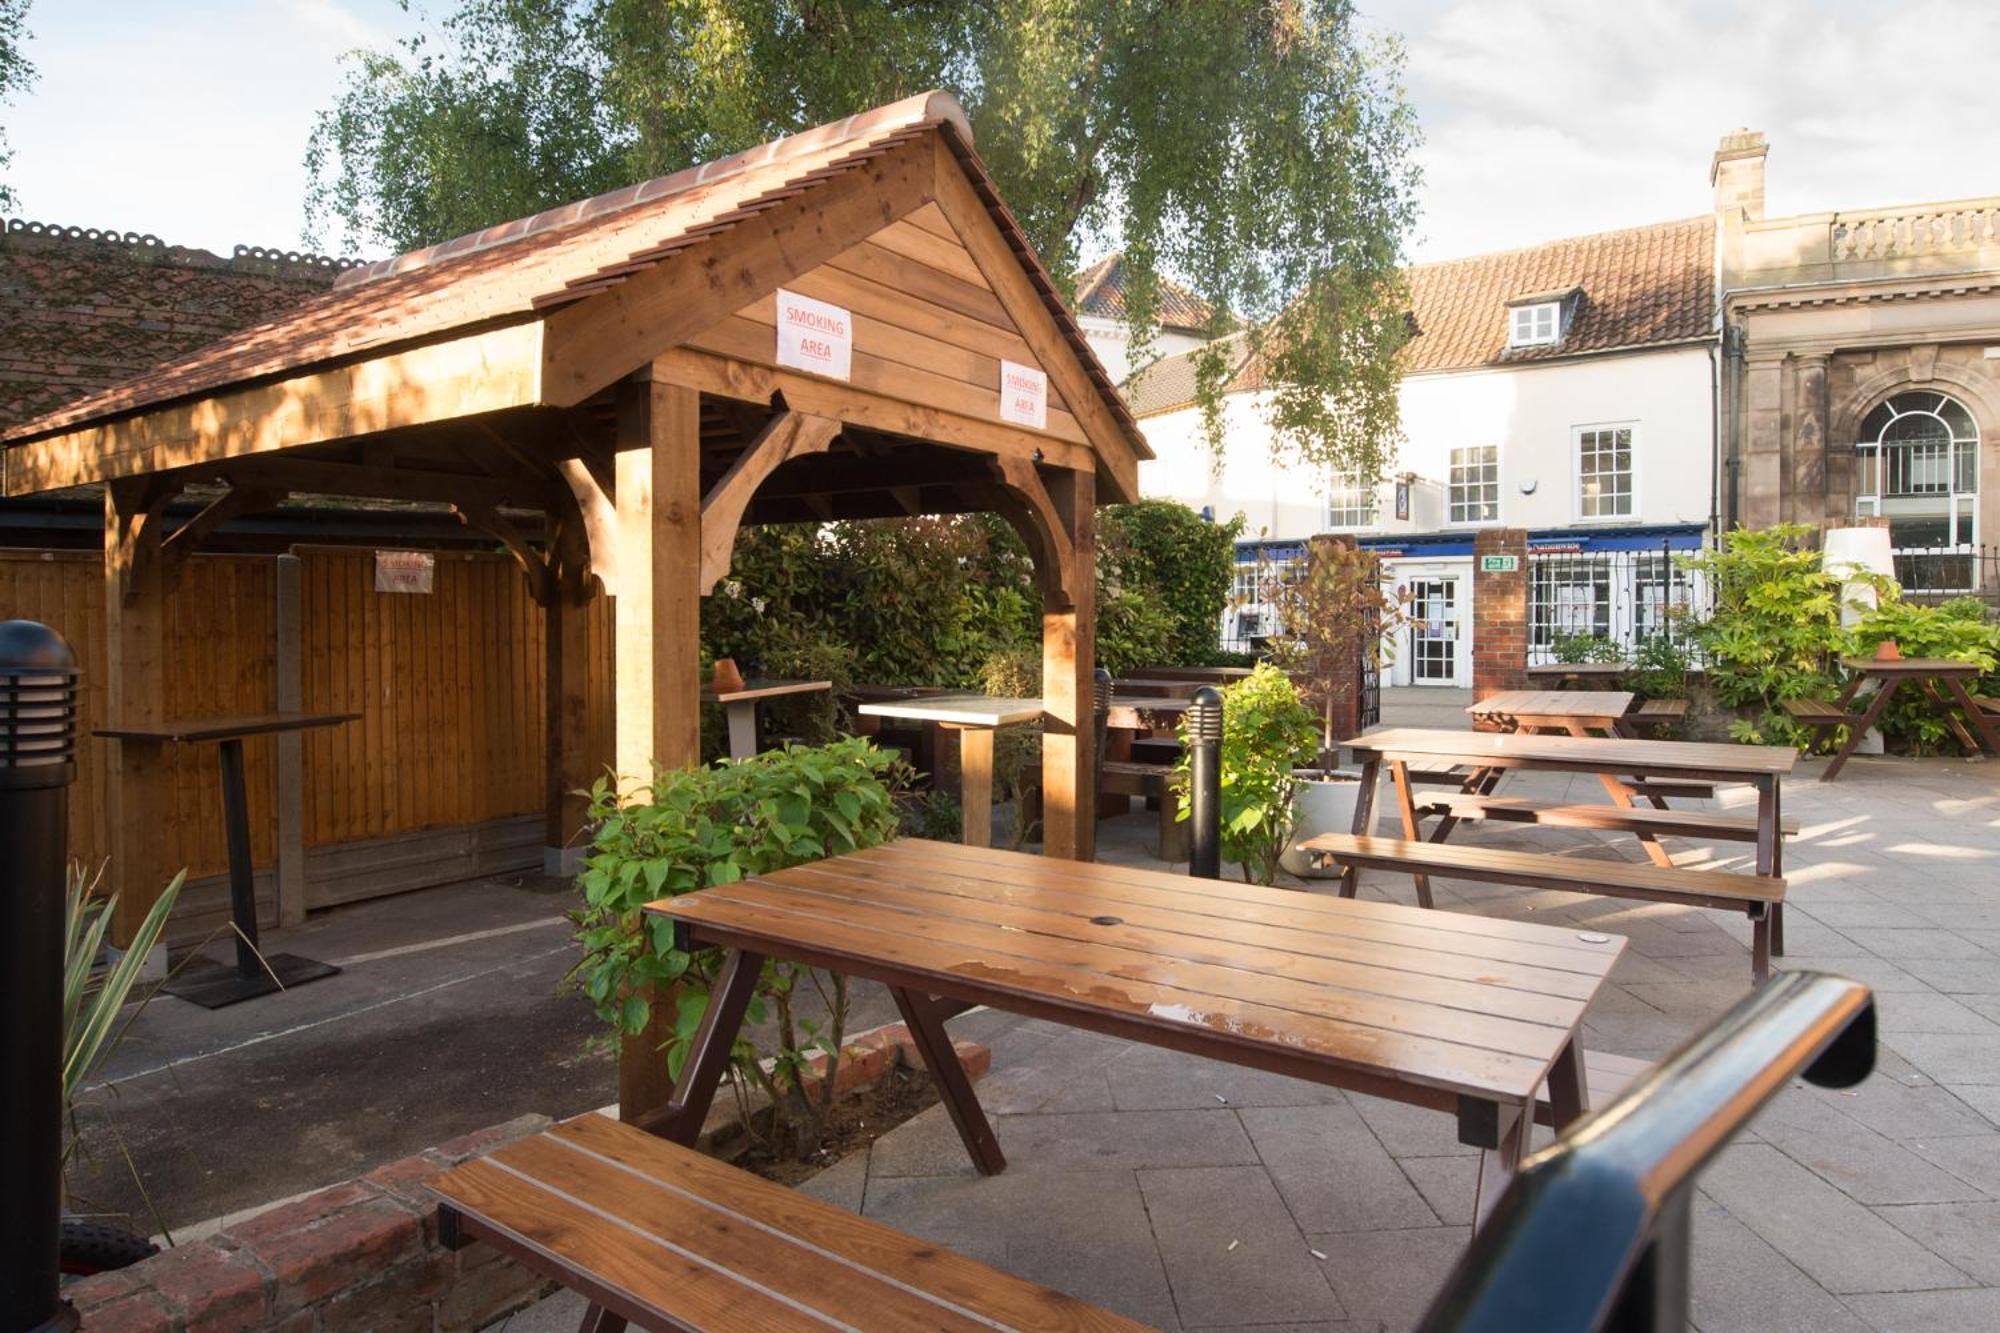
x=739 y=707
x=1470 y=1015
x=975 y=717
x=212 y=985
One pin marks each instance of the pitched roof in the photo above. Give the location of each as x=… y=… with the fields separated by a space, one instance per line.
x=520 y=270
x=1641 y=286
x=1100 y=291
x=1169 y=383
x=1644 y=286
x=82 y=309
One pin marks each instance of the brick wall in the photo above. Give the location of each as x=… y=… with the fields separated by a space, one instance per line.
x=1499 y=613
x=81 y=310
x=364 y=1255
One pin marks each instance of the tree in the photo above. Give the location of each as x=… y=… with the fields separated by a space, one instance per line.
x=17 y=75
x=1259 y=151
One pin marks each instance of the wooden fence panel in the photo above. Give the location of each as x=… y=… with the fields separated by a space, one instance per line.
x=450 y=688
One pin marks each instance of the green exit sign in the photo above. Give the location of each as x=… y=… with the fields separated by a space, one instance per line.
x=1499 y=564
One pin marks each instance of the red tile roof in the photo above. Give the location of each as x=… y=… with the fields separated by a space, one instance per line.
x=1641 y=287
x=518 y=270
x=1100 y=291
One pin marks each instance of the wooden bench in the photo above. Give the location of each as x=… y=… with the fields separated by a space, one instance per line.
x=1563 y=814
x=1654 y=713
x=663 y=1237
x=1759 y=897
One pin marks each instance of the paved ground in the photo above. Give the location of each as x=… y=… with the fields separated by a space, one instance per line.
x=1193 y=1195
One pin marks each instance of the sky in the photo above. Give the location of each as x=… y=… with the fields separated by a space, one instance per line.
x=1541 y=118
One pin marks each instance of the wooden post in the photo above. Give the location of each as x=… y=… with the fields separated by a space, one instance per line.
x=570 y=766
x=135 y=606
x=291 y=746
x=658 y=616
x=1069 y=654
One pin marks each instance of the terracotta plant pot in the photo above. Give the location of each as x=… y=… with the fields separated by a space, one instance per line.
x=725 y=678
x=1887 y=651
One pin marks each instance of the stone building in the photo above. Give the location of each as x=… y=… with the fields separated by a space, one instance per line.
x=1861 y=368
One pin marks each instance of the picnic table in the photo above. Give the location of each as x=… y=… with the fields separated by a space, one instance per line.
x=739 y=706
x=1465 y=1014
x=1577 y=712
x=1490 y=755
x=1890 y=674
x=975 y=717
x=208 y=984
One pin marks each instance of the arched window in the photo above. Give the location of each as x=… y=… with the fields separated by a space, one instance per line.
x=1917 y=463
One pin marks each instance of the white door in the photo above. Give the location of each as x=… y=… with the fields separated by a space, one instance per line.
x=1436 y=631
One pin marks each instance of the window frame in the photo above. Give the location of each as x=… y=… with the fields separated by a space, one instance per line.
x=1349 y=483
x=1576 y=434
x=1452 y=484
x=1532 y=311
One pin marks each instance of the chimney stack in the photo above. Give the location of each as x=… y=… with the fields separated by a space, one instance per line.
x=1738 y=173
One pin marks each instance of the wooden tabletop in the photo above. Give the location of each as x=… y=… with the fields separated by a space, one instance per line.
x=1580 y=754
x=224 y=728
x=1910 y=666
x=1579 y=704
x=765 y=689
x=1426 y=1006
x=963 y=710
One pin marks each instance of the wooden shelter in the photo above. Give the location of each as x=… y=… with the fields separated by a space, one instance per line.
x=613 y=366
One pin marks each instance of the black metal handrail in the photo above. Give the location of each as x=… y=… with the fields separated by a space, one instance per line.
x=1593 y=1234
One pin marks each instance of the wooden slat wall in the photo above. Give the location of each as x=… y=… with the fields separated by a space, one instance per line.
x=449 y=685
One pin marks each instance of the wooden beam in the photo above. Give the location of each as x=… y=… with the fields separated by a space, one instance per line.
x=480 y=372
x=996 y=259
x=787 y=436
x=857 y=407
x=310 y=476
x=1069 y=656
x=186 y=539
x=1031 y=511
x=536 y=566
x=138 y=796
x=590 y=482
x=597 y=341
x=658 y=615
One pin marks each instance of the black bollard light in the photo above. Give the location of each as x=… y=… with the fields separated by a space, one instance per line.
x=38 y=680
x=1204 y=727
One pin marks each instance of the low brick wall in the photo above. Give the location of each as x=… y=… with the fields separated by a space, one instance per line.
x=364 y=1255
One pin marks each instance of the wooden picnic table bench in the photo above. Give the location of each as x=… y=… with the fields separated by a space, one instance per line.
x=1890 y=674
x=1489 y=755
x=658 y=1235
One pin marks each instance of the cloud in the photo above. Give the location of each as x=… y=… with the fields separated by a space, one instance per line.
x=1547 y=118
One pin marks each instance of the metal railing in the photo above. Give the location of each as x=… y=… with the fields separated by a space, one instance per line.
x=1622 y=598
x=1939 y=573
x=1594 y=1233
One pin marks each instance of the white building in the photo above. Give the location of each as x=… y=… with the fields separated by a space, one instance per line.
x=1566 y=389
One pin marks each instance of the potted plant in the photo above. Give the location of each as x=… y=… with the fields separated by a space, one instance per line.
x=1335 y=624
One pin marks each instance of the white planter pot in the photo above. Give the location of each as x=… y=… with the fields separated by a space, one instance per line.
x=1322 y=805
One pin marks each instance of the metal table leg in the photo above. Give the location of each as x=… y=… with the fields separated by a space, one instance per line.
x=212 y=985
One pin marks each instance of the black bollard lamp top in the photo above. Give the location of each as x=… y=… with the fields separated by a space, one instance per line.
x=38 y=715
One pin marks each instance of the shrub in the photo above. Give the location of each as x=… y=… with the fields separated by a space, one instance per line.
x=1774 y=631
x=1958 y=630
x=1659 y=669
x=1186 y=564
x=1267 y=733
x=1574 y=648
x=1335 y=615
x=694 y=828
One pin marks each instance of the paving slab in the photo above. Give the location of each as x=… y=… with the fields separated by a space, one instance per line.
x=1390 y=1275
x=1741 y=1285
x=1233 y=1252
x=1334 y=1173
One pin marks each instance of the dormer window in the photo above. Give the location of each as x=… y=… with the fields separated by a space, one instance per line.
x=1535 y=325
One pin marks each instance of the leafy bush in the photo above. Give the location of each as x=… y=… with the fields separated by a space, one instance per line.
x=694 y=828
x=1185 y=563
x=1659 y=669
x=1267 y=733
x=1335 y=615
x=1774 y=631
x=1575 y=648
x=1958 y=630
